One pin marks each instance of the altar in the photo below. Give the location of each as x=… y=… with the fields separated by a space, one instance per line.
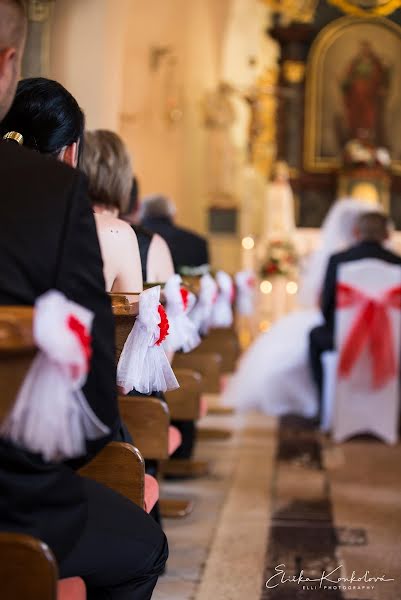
x=339 y=86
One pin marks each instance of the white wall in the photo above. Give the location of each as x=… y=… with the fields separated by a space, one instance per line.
x=87 y=46
x=100 y=50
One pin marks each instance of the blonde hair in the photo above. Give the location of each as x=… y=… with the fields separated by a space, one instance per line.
x=106 y=162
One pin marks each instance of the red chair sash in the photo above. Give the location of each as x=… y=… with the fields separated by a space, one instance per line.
x=372 y=329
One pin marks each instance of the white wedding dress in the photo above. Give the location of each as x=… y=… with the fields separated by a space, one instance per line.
x=273 y=374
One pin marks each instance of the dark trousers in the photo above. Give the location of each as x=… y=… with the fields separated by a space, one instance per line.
x=121 y=551
x=320 y=340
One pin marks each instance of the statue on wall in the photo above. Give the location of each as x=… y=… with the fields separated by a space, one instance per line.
x=279 y=204
x=365 y=88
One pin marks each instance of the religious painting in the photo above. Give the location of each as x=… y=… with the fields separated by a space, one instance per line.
x=353 y=92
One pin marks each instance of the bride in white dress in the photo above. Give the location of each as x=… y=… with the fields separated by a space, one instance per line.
x=273 y=374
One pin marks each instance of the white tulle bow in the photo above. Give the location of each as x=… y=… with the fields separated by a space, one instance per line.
x=246 y=282
x=51 y=415
x=183 y=334
x=222 y=313
x=143 y=363
x=201 y=313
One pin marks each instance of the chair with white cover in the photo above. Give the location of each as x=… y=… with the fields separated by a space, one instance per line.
x=367 y=338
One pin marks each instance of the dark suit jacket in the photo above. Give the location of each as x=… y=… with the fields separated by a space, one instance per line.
x=187 y=248
x=357 y=252
x=48 y=240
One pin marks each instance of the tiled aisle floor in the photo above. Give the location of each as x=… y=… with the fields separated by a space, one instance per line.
x=231 y=505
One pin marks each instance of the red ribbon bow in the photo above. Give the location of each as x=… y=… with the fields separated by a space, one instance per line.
x=164 y=325
x=83 y=337
x=371 y=328
x=185 y=297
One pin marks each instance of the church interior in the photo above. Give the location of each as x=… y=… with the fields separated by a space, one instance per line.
x=242 y=163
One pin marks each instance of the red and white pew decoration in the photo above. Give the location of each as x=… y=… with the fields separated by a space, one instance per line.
x=51 y=415
x=183 y=334
x=201 y=313
x=222 y=313
x=245 y=300
x=368 y=330
x=143 y=363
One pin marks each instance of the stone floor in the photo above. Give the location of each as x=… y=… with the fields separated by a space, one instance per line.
x=282 y=493
x=230 y=506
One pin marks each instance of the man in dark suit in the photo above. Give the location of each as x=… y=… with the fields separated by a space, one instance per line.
x=187 y=248
x=371 y=231
x=48 y=241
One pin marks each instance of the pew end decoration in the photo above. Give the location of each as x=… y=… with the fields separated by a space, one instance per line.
x=183 y=334
x=222 y=313
x=201 y=314
x=143 y=364
x=51 y=415
x=245 y=299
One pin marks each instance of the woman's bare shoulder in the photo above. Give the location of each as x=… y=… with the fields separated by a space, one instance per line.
x=108 y=223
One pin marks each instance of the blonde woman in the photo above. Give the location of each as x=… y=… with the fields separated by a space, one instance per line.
x=107 y=164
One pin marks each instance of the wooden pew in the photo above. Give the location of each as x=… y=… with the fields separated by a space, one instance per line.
x=208 y=364
x=27 y=566
x=121 y=467
x=185 y=404
x=147 y=418
x=224 y=342
x=28 y=571
x=17 y=350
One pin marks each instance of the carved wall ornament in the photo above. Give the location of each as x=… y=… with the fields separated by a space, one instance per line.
x=39 y=10
x=263 y=126
x=367 y=8
x=294 y=71
x=300 y=11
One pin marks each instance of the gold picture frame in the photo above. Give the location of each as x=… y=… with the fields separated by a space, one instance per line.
x=316 y=78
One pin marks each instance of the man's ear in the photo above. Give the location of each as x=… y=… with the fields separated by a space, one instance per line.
x=69 y=155
x=8 y=56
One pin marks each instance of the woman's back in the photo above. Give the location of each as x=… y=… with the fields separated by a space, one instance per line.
x=120 y=253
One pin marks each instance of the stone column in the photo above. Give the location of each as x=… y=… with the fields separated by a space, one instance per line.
x=37 y=51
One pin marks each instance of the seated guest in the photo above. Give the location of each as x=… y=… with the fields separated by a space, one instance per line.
x=48 y=241
x=106 y=162
x=157 y=263
x=371 y=231
x=187 y=248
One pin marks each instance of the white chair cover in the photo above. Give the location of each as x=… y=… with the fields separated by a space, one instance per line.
x=366 y=401
x=246 y=282
x=201 y=313
x=222 y=313
x=143 y=363
x=51 y=415
x=183 y=334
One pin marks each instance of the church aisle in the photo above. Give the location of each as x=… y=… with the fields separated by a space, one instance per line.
x=230 y=518
x=280 y=493
x=335 y=509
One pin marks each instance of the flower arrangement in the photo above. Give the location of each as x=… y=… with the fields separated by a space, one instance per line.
x=281 y=259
